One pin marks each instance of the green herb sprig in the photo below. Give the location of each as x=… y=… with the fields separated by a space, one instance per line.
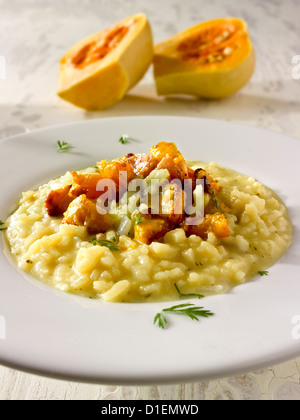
x=186 y=309
x=215 y=201
x=124 y=139
x=104 y=242
x=63 y=146
x=2 y=227
x=139 y=219
x=263 y=273
x=189 y=295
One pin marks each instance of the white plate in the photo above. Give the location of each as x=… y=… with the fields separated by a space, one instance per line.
x=55 y=334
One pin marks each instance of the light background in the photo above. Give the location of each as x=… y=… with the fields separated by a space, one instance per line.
x=34 y=34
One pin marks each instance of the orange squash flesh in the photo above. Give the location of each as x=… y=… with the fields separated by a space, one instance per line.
x=93 y=51
x=213 y=60
x=98 y=71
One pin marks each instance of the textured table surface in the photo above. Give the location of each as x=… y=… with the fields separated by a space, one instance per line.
x=34 y=35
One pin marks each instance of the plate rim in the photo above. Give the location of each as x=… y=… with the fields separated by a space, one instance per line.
x=148 y=116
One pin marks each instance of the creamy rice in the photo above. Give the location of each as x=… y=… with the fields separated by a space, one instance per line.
x=63 y=257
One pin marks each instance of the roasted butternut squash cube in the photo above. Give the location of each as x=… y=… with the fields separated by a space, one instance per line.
x=57 y=201
x=83 y=212
x=150 y=230
x=215 y=223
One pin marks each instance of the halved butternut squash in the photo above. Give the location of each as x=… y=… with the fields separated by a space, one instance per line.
x=97 y=72
x=213 y=60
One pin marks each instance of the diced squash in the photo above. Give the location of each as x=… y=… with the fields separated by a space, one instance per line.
x=83 y=212
x=85 y=184
x=173 y=202
x=215 y=223
x=211 y=185
x=113 y=170
x=162 y=149
x=142 y=164
x=168 y=157
x=57 y=201
x=150 y=230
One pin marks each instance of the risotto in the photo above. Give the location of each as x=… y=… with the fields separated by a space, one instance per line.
x=59 y=235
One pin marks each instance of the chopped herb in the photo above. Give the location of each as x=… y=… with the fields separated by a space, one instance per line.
x=189 y=295
x=124 y=139
x=263 y=273
x=63 y=146
x=254 y=247
x=139 y=219
x=216 y=201
x=104 y=242
x=2 y=227
x=186 y=309
x=160 y=320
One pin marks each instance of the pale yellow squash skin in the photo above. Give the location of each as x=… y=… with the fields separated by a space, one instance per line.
x=104 y=82
x=214 y=80
x=98 y=91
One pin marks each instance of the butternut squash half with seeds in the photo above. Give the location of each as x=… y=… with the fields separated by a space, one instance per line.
x=98 y=71
x=214 y=59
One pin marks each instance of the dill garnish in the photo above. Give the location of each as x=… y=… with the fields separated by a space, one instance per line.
x=186 y=309
x=139 y=219
x=189 y=295
x=215 y=200
x=104 y=242
x=124 y=139
x=63 y=146
x=2 y=227
x=263 y=273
